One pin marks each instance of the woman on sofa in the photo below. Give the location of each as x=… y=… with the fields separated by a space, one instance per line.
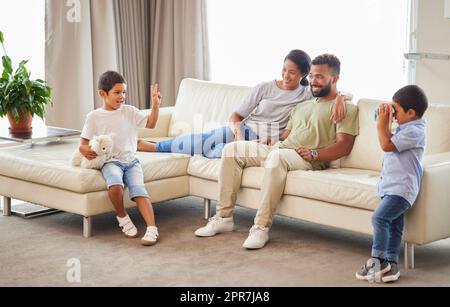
x=262 y=116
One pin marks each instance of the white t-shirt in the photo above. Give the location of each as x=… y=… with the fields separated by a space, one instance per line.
x=122 y=125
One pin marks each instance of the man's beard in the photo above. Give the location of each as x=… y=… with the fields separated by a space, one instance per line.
x=325 y=91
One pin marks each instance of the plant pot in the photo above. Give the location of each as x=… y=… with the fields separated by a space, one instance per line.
x=23 y=126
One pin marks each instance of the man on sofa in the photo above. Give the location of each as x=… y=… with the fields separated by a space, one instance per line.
x=310 y=141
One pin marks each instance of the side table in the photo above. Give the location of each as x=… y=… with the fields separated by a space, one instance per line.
x=39 y=134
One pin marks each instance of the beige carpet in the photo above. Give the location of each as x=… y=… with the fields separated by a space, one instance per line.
x=34 y=252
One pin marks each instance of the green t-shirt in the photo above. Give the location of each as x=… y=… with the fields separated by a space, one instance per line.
x=312 y=127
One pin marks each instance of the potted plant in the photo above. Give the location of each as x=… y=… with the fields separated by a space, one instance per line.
x=21 y=97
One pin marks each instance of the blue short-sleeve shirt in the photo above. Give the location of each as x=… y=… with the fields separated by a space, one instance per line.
x=402 y=170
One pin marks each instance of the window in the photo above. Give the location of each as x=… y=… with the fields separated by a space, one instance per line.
x=23 y=25
x=249 y=39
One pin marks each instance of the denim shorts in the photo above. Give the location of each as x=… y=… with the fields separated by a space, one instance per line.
x=126 y=174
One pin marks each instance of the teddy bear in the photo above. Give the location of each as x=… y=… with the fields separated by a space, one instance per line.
x=102 y=145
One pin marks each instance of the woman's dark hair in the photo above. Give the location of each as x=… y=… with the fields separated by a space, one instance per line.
x=303 y=62
x=108 y=79
x=412 y=97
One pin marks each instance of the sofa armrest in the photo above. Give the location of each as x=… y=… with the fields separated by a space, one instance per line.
x=436 y=160
x=162 y=126
x=429 y=219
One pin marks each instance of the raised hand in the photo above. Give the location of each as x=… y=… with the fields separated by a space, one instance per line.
x=156 y=96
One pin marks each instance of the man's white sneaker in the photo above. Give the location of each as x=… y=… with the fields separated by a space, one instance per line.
x=150 y=237
x=258 y=237
x=128 y=228
x=216 y=225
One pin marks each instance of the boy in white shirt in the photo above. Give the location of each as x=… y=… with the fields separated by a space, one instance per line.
x=123 y=168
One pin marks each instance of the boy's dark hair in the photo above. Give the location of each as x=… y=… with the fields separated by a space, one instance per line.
x=329 y=59
x=108 y=79
x=412 y=97
x=303 y=62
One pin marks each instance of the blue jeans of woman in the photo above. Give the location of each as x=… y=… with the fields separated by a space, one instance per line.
x=209 y=144
x=387 y=222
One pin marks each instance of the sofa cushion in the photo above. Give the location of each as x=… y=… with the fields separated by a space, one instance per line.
x=345 y=186
x=50 y=164
x=156 y=139
x=202 y=106
x=158 y=166
x=204 y=168
x=209 y=169
x=366 y=153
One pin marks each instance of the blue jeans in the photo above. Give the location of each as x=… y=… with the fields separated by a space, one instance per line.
x=118 y=173
x=387 y=222
x=209 y=144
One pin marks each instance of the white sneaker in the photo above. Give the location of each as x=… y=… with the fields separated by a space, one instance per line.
x=216 y=225
x=150 y=237
x=128 y=228
x=258 y=237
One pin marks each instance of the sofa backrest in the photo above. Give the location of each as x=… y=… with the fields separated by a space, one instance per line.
x=204 y=105
x=367 y=154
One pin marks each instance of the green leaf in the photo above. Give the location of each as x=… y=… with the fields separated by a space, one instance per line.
x=22 y=64
x=15 y=114
x=2 y=39
x=28 y=84
x=21 y=71
x=7 y=64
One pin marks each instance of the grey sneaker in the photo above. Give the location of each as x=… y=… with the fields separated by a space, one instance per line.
x=393 y=274
x=372 y=270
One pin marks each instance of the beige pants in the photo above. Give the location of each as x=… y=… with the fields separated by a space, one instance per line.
x=277 y=162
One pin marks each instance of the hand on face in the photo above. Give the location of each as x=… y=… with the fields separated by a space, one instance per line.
x=384 y=113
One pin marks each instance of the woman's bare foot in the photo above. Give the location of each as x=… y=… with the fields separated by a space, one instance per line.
x=146 y=146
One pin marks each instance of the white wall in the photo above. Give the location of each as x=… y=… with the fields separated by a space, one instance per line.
x=433 y=36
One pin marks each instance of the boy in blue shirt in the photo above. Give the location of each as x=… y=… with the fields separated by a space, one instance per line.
x=400 y=180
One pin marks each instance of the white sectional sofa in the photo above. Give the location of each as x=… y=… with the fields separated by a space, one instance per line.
x=341 y=197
